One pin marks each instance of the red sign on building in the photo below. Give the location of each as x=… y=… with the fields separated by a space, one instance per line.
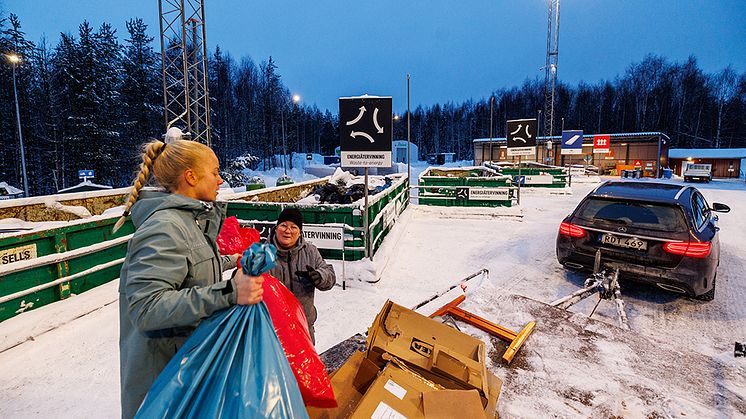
x=638 y=163
x=601 y=143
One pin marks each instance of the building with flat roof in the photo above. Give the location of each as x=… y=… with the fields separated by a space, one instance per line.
x=645 y=150
x=726 y=162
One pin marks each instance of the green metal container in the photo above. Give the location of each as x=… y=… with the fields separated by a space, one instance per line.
x=262 y=208
x=44 y=265
x=255 y=186
x=284 y=180
x=465 y=187
x=86 y=252
x=558 y=174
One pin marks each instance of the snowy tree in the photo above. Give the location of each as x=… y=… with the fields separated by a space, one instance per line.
x=141 y=95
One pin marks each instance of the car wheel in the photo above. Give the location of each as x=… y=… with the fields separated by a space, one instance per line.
x=709 y=295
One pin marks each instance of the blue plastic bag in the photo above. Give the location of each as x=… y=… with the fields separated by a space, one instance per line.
x=258 y=258
x=232 y=366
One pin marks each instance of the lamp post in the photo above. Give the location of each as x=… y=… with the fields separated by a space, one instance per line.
x=14 y=60
x=492 y=101
x=296 y=101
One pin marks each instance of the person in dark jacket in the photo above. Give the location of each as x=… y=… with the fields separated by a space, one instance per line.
x=171 y=278
x=299 y=264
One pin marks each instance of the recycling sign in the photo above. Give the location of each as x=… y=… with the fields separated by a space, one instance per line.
x=521 y=136
x=365 y=131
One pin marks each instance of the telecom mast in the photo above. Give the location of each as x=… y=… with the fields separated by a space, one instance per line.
x=550 y=78
x=184 y=54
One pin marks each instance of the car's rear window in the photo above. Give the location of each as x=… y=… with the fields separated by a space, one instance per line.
x=631 y=213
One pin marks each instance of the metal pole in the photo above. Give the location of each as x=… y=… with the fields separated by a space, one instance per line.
x=284 y=147
x=163 y=66
x=365 y=218
x=657 y=163
x=409 y=145
x=194 y=101
x=344 y=276
x=20 y=135
x=519 y=180
x=185 y=72
x=208 y=129
x=492 y=99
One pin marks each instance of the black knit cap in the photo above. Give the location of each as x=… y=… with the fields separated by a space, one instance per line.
x=293 y=215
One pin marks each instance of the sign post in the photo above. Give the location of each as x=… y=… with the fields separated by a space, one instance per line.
x=601 y=144
x=521 y=136
x=365 y=139
x=85 y=174
x=572 y=142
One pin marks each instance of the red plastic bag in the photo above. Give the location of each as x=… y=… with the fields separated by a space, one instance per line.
x=235 y=239
x=291 y=327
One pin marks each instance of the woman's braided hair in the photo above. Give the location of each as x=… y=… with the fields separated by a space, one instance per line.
x=166 y=164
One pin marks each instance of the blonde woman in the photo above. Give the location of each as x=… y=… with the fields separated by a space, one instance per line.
x=172 y=275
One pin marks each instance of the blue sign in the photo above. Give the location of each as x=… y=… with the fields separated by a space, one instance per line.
x=572 y=142
x=520 y=180
x=85 y=173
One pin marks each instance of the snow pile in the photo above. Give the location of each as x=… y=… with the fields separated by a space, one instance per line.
x=80 y=212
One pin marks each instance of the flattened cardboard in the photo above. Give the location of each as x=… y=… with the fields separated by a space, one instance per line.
x=395 y=392
x=349 y=382
x=449 y=404
x=457 y=359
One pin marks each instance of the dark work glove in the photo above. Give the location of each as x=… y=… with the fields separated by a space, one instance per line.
x=312 y=274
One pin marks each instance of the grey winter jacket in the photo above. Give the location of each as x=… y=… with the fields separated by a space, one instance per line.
x=170 y=280
x=292 y=261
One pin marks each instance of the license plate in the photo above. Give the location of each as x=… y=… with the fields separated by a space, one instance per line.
x=628 y=242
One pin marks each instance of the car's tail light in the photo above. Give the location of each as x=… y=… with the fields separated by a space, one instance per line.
x=691 y=249
x=571 y=230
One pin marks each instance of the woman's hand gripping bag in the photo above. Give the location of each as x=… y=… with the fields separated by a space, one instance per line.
x=232 y=366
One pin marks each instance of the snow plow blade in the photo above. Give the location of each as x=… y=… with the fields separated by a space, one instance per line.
x=516 y=340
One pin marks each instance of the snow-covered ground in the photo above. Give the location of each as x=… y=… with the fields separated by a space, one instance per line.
x=62 y=360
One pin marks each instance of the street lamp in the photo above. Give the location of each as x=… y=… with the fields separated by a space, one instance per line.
x=15 y=60
x=296 y=100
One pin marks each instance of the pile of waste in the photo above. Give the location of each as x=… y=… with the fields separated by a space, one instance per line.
x=415 y=367
x=345 y=188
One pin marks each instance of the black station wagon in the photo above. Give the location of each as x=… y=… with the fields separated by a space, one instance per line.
x=660 y=233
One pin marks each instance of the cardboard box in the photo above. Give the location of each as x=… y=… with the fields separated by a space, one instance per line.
x=349 y=383
x=400 y=393
x=453 y=359
x=407 y=357
x=449 y=404
x=396 y=393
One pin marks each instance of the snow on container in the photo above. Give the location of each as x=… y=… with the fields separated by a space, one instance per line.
x=333 y=227
x=535 y=175
x=465 y=186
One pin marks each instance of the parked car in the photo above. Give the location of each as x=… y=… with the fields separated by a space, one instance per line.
x=660 y=233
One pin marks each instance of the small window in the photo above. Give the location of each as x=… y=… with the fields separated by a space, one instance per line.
x=700 y=209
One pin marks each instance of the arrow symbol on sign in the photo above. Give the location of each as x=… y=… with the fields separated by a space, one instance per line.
x=517 y=129
x=359 y=116
x=375 y=121
x=354 y=134
x=572 y=139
